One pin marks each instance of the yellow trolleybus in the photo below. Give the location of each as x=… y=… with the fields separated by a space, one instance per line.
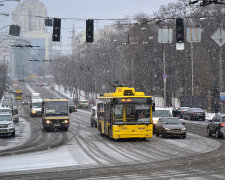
x=125 y=114
x=18 y=94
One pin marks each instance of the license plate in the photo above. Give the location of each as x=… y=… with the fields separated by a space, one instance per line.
x=56 y=124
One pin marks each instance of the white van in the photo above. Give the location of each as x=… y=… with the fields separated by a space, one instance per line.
x=159 y=113
x=7 y=125
x=35 y=107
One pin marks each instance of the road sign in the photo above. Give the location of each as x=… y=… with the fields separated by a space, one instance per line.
x=164 y=75
x=165 y=35
x=180 y=46
x=219 y=36
x=194 y=34
x=222 y=96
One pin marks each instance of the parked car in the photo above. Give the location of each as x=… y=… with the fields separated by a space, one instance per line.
x=93 y=117
x=158 y=113
x=179 y=112
x=7 y=125
x=194 y=113
x=83 y=104
x=217 y=126
x=72 y=106
x=170 y=126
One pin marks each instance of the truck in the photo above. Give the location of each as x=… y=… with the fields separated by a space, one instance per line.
x=35 y=95
x=55 y=114
x=35 y=107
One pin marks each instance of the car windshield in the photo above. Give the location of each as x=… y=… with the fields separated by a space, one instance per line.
x=71 y=103
x=171 y=121
x=183 y=108
x=5 y=118
x=196 y=109
x=57 y=107
x=161 y=113
x=83 y=101
x=37 y=105
x=5 y=110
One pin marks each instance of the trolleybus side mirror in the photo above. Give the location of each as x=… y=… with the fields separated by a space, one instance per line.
x=153 y=106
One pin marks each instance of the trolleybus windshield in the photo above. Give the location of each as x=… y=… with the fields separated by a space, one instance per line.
x=131 y=113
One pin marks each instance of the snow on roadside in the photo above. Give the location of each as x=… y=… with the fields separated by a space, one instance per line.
x=23 y=133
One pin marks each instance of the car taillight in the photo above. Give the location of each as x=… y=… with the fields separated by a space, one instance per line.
x=222 y=124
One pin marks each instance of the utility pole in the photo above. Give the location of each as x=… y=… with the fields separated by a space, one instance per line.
x=192 y=70
x=164 y=71
x=221 y=69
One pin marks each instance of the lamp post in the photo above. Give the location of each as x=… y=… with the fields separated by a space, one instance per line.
x=9 y=0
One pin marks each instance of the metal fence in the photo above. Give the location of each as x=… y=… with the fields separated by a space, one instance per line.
x=194 y=101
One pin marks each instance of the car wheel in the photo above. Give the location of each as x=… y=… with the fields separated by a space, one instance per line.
x=165 y=136
x=157 y=134
x=217 y=134
x=13 y=134
x=184 y=136
x=91 y=124
x=208 y=132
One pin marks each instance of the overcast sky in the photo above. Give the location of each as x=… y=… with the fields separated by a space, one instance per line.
x=85 y=9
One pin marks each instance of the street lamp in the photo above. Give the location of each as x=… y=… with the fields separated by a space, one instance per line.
x=4 y=14
x=9 y=0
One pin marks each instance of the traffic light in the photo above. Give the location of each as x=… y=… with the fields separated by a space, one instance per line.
x=89 y=30
x=179 y=30
x=56 y=29
x=14 y=30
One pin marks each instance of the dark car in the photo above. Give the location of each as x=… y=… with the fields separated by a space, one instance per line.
x=72 y=106
x=170 y=127
x=194 y=114
x=93 y=117
x=217 y=126
x=158 y=113
x=179 y=112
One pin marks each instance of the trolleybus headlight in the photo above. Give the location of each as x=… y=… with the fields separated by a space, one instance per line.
x=48 y=121
x=155 y=121
x=66 y=121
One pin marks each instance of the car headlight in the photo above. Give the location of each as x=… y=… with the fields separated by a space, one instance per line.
x=66 y=121
x=155 y=121
x=33 y=111
x=48 y=121
x=183 y=129
x=10 y=125
x=167 y=129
